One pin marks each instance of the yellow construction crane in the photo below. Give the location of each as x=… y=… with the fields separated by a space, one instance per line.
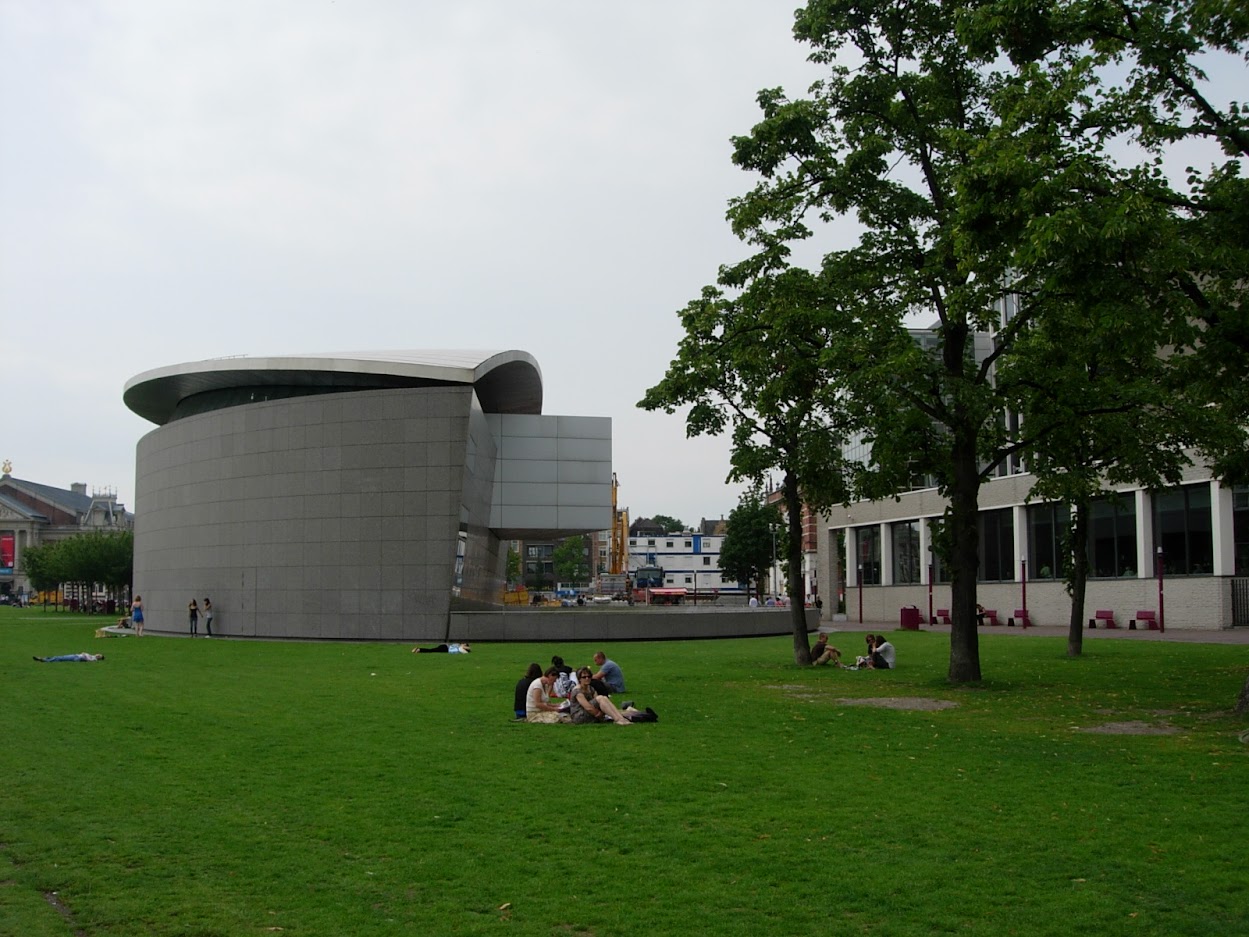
x=617 y=563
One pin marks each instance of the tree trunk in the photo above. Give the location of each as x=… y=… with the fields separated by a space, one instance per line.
x=1078 y=578
x=793 y=553
x=964 y=539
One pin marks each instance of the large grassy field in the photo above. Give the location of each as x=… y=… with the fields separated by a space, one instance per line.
x=230 y=788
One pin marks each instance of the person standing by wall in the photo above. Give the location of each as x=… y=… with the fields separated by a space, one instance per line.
x=136 y=615
x=192 y=612
x=208 y=616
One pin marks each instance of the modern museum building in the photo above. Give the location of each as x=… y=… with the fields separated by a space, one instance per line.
x=360 y=496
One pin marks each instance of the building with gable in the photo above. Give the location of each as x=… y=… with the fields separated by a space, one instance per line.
x=32 y=514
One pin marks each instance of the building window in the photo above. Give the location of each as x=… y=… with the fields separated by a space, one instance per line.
x=706 y=561
x=1047 y=540
x=650 y=543
x=867 y=554
x=668 y=545
x=1182 y=528
x=997 y=546
x=1112 y=537
x=905 y=551
x=687 y=580
x=688 y=544
x=633 y=543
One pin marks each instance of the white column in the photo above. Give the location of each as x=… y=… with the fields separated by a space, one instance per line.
x=1145 y=558
x=1222 y=531
x=1020 y=524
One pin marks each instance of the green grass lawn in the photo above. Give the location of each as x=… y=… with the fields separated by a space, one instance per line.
x=226 y=788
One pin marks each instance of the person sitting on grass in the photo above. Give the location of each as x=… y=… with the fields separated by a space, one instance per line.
x=589 y=707
x=822 y=653
x=68 y=657
x=522 y=688
x=609 y=679
x=884 y=655
x=538 y=705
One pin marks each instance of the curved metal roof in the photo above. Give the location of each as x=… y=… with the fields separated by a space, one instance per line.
x=505 y=381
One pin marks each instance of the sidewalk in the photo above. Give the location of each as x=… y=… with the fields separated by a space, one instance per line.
x=1192 y=636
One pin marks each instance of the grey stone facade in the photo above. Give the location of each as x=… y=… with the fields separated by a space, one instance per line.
x=366 y=514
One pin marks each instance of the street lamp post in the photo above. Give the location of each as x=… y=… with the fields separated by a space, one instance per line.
x=931 y=619
x=775 y=591
x=1162 y=618
x=1023 y=580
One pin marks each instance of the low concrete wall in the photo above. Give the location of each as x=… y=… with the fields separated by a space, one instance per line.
x=614 y=623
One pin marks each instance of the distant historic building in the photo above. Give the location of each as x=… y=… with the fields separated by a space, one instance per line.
x=31 y=514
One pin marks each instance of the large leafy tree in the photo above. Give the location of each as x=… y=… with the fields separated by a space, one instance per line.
x=670 y=525
x=755 y=363
x=1186 y=229
x=750 y=542
x=885 y=138
x=571 y=560
x=1170 y=246
x=975 y=177
x=104 y=557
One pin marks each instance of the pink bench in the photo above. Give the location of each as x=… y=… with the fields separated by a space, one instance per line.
x=1105 y=616
x=1148 y=619
x=943 y=615
x=1021 y=615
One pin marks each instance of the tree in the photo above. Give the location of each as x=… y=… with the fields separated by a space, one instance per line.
x=778 y=413
x=1160 y=249
x=670 y=525
x=1138 y=435
x=976 y=176
x=750 y=543
x=512 y=570
x=40 y=565
x=101 y=557
x=887 y=141
x=571 y=561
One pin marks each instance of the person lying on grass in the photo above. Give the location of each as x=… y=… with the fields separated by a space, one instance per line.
x=588 y=706
x=66 y=657
x=452 y=648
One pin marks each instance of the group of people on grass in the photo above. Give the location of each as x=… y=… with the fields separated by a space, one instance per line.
x=582 y=696
x=881 y=655
x=193 y=610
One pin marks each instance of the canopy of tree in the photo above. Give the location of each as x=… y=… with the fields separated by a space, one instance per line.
x=1001 y=186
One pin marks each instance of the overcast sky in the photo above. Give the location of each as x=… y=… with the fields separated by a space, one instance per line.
x=188 y=180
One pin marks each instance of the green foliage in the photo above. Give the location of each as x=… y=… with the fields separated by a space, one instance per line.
x=750 y=540
x=971 y=143
x=571 y=560
x=513 y=566
x=104 y=557
x=670 y=525
x=330 y=788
